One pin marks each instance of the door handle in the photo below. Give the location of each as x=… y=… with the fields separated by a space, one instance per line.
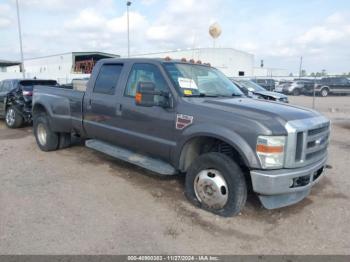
x=119 y=110
x=89 y=104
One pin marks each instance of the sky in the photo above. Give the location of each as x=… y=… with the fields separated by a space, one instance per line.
x=277 y=31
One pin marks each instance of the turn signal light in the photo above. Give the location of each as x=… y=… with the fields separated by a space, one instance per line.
x=269 y=149
x=138 y=98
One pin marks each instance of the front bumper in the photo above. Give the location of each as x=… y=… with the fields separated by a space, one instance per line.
x=284 y=187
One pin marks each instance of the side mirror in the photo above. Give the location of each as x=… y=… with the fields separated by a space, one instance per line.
x=146 y=95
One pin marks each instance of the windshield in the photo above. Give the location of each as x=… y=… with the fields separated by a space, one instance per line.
x=251 y=85
x=198 y=80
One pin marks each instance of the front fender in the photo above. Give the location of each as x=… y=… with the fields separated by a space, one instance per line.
x=222 y=133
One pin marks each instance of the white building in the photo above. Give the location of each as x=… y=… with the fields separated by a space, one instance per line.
x=63 y=67
x=230 y=61
x=9 y=69
x=270 y=72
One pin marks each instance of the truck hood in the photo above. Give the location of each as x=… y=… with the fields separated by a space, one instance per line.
x=260 y=110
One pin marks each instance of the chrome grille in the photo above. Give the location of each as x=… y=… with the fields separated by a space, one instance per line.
x=307 y=141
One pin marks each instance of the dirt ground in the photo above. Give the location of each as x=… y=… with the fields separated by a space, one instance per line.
x=77 y=201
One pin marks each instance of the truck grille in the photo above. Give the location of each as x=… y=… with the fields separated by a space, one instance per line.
x=307 y=142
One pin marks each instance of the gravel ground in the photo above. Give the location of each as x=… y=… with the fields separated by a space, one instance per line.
x=77 y=201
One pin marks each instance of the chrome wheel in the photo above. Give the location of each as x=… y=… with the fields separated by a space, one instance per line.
x=211 y=188
x=10 y=117
x=41 y=134
x=324 y=92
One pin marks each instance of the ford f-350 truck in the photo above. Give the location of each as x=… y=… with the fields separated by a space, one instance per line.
x=178 y=117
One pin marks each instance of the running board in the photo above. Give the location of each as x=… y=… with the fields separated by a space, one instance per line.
x=154 y=165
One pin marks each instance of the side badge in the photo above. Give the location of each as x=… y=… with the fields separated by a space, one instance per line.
x=183 y=121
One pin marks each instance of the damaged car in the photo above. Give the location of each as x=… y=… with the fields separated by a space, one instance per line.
x=16 y=100
x=253 y=90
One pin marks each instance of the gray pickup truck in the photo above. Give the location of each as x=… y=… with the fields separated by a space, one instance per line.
x=176 y=117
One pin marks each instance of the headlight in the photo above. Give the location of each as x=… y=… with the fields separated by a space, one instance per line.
x=270 y=150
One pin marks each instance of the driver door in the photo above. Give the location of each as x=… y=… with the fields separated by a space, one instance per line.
x=148 y=130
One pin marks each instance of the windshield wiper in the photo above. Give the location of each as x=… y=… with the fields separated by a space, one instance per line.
x=202 y=95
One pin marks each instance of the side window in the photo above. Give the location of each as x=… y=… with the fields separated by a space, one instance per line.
x=107 y=79
x=343 y=81
x=144 y=73
x=6 y=86
x=0 y=86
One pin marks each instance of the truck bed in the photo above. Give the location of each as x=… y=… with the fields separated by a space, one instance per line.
x=65 y=106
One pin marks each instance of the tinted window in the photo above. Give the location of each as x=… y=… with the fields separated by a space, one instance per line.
x=145 y=73
x=107 y=79
x=28 y=85
x=343 y=81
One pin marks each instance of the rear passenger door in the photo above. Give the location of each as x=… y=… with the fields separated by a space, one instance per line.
x=149 y=130
x=1 y=99
x=343 y=85
x=5 y=87
x=100 y=104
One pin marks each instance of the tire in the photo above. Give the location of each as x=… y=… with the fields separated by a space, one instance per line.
x=46 y=139
x=13 y=119
x=221 y=171
x=65 y=140
x=296 y=92
x=324 y=92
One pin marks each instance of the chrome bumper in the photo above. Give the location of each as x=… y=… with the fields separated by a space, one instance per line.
x=278 y=188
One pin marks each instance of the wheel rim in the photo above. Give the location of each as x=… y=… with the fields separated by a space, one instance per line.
x=10 y=117
x=324 y=93
x=211 y=188
x=42 y=134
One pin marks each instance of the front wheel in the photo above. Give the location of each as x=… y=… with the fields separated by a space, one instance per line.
x=46 y=139
x=13 y=119
x=217 y=184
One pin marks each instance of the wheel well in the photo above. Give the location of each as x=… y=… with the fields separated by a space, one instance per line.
x=39 y=109
x=201 y=145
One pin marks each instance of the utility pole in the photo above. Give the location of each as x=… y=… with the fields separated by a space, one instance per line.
x=301 y=66
x=128 y=4
x=20 y=38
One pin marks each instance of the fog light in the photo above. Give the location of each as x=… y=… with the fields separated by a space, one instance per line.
x=291 y=183
x=300 y=181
